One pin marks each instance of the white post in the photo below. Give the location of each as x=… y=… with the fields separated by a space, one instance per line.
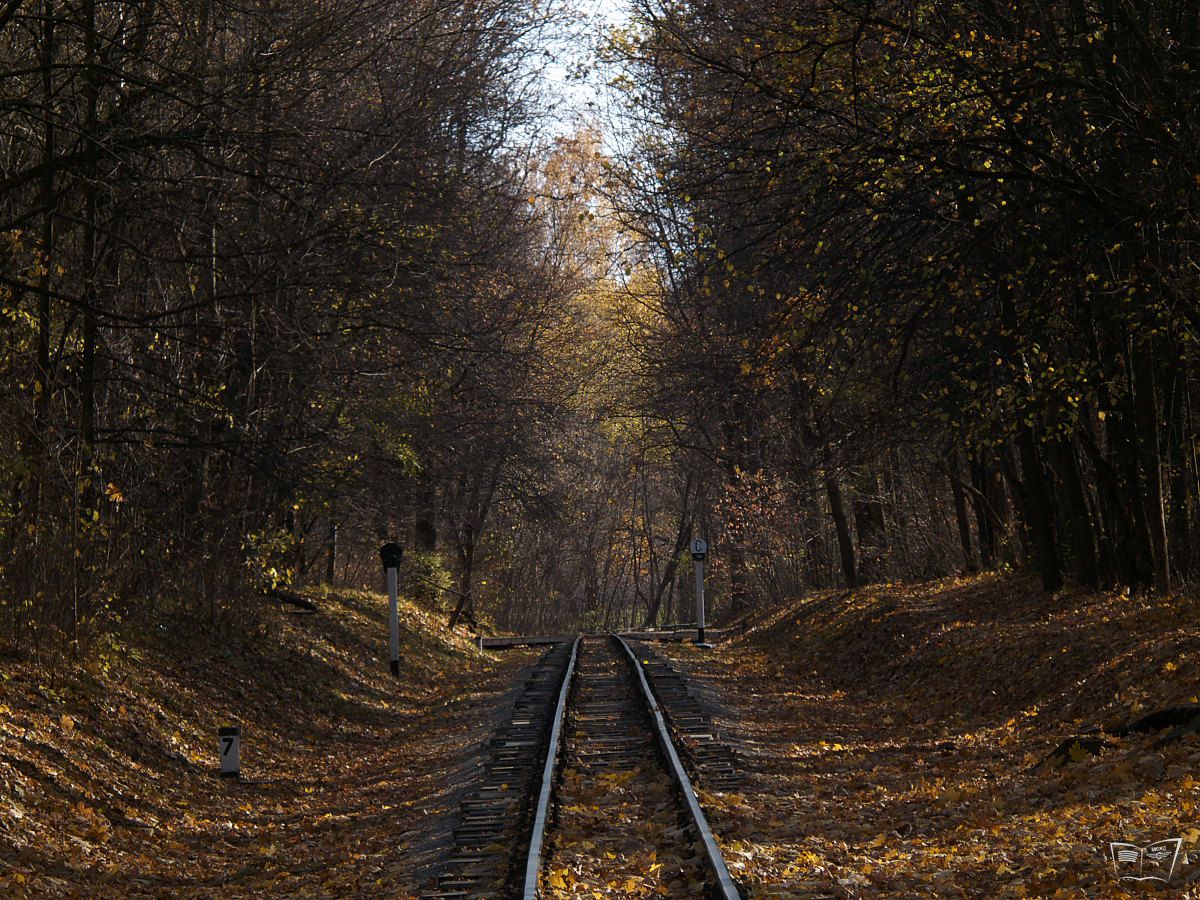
x=699 y=552
x=392 y=554
x=393 y=581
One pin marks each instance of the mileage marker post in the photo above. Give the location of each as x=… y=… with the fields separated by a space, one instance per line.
x=392 y=554
x=699 y=554
x=230 y=739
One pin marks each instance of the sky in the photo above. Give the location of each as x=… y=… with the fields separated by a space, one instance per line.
x=574 y=100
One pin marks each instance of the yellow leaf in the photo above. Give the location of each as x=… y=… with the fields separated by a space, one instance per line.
x=556 y=881
x=67 y=723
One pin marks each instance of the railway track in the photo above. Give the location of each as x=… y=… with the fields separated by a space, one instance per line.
x=587 y=788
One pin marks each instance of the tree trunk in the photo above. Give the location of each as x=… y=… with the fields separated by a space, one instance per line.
x=960 y=512
x=425 y=535
x=1039 y=511
x=478 y=504
x=986 y=519
x=465 y=600
x=91 y=193
x=1007 y=483
x=1117 y=561
x=42 y=375
x=681 y=542
x=1179 y=522
x=739 y=600
x=869 y=525
x=1078 y=517
x=331 y=550
x=837 y=511
x=1146 y=418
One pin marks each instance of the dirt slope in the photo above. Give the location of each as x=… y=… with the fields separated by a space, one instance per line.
x=108 y=784
x=893 y=737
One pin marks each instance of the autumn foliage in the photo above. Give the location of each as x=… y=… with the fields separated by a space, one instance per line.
x=927 y=268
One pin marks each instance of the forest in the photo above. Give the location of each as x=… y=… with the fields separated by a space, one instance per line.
x=860 y=291
x=896 y=305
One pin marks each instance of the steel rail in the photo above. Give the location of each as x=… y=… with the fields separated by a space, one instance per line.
x=725 y=887
x=537 y=838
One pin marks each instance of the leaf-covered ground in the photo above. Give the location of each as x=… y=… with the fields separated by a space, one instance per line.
x=892 y=738
x=108 y=784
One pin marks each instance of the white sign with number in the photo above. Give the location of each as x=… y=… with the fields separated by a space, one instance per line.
x=230 y=742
